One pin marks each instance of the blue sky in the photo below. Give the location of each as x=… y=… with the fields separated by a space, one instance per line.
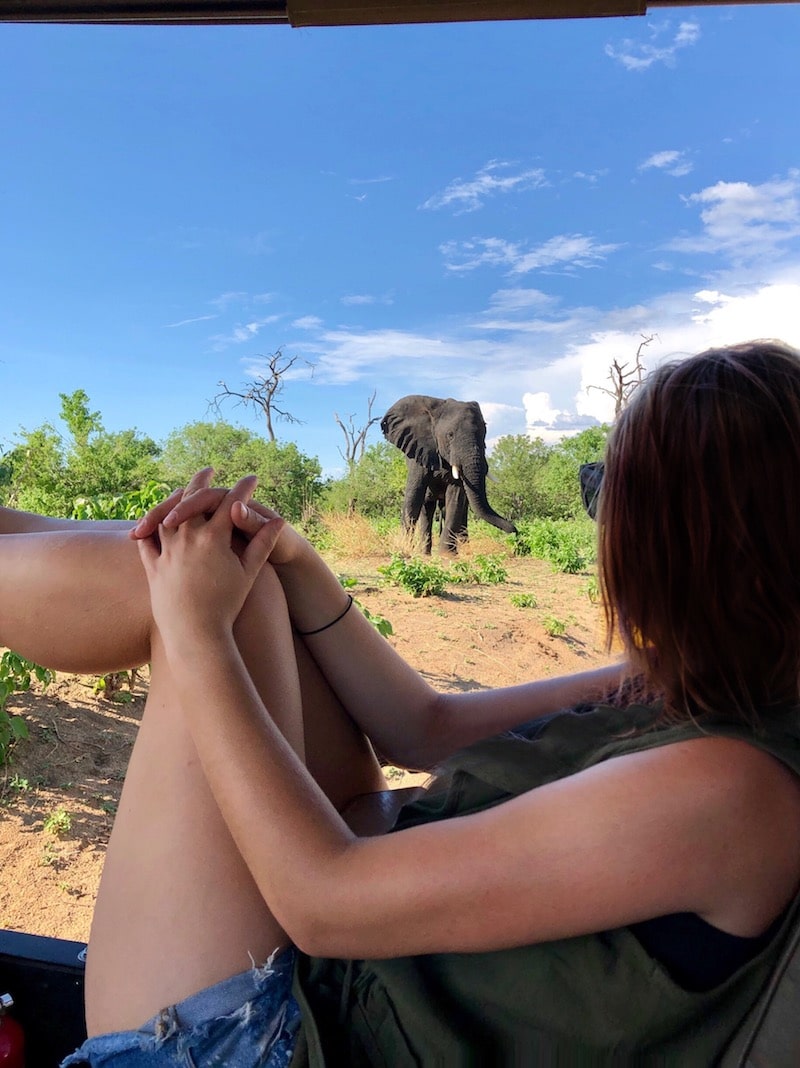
x=490 y=211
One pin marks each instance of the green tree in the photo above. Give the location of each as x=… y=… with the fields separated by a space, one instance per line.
x=373 y=486
x=559 y=483
x=515 y=467
x=33 y=473
x=80 y=421
x=288 y=480
x=45 y=471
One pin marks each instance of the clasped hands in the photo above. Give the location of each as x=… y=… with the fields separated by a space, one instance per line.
x=202 y=549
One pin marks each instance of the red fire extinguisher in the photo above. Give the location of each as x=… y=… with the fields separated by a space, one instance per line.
x=12 y=1040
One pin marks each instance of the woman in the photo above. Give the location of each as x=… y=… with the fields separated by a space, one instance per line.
x=595 y=862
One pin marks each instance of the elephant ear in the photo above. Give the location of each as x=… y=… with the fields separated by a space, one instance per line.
x=408 y=424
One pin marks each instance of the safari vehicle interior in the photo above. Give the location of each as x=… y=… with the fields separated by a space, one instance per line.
x=45 y=975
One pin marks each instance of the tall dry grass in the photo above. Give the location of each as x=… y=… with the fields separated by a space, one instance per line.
x=352 y=536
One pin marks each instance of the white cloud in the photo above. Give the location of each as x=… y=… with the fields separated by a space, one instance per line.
x=225 y=300
x=469 y=195
x=671 y=161
x=370 y=181
x=308 y=322
x=539 y=409
x=186 y=322
x=540 y=375
x=743 y=220
x=639 y=55
x=242 y=332
x=507 y=301
x=564 y=250
x=366 y=298
x=358 y=298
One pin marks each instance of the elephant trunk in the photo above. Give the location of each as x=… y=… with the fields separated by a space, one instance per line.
x=473 y=478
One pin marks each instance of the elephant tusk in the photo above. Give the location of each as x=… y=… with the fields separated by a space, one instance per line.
x=455 y=473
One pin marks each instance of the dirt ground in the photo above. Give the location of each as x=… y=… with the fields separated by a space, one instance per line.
x=59 y=793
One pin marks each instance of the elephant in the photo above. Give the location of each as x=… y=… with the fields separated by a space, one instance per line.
x=444 y=442
x=591 y=476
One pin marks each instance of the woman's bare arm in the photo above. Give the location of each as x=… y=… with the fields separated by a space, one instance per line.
x=698 y=826
x=408 y=721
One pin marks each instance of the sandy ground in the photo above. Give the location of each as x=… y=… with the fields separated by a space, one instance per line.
x=59 y=793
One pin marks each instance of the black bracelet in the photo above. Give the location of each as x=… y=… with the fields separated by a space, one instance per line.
x=319 y=630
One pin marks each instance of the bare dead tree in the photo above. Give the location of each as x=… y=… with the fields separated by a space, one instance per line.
x=624 y=378
x=264 y=390
x=356 y=439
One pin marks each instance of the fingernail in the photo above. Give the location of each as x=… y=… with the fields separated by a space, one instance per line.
x=139 y=527
x=169 y=519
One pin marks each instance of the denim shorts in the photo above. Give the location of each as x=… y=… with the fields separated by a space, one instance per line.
x=248 y=1021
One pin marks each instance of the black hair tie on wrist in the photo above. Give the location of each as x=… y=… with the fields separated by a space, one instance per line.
x=319 y=630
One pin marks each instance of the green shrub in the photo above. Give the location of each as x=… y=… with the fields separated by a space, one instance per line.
x=374 y=486
x=488 y=570
x=523 y=600
x=131 y=505
x=554 y=626
x=569 y=545
x=16 y=675
x=58 y=822
x=415 y=576
x=592 y=589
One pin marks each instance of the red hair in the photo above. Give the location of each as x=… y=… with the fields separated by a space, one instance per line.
x=699 y=531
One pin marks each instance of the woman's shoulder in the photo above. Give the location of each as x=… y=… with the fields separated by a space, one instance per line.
x=747 y=806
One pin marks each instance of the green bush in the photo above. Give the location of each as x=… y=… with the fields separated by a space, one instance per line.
x=523 y=600
x=415 y=576
x=288 y=480
x=131 y=505
x=554 y=626
x=46 y=471
x=569 y=545
x=374 y=486
x=488 y=570
x=16 y=675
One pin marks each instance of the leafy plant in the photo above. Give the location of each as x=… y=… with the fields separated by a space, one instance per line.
x=592 y=589
x=415 y=576
x=554 y=626
x=463 y=571
x=491 y=570
x=110 y=686
x=380 y=623
x=523 y=600
x=16 y=675
x=568 y=545
x=59 y=822
x=481 y=568
x=131 y=505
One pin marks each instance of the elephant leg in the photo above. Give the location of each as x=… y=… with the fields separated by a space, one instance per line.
x=416 y=486
x=425 y=526
x=455 y=519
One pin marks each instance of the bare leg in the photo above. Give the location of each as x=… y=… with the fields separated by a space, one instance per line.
x=74 y=601
x=177 y=908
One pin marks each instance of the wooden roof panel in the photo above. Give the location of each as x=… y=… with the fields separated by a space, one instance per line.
x=329 y=12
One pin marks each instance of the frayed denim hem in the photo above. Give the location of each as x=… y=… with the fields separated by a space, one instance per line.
x=250 y=1020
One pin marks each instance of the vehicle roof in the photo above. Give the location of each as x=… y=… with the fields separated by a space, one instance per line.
x=330 y=12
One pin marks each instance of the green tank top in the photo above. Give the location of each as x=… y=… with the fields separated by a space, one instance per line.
x=591 y=1000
